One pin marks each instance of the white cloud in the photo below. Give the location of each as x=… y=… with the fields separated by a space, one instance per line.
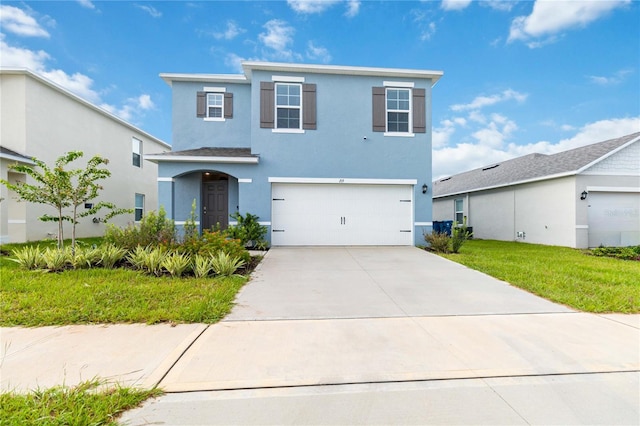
x=234 y=61
x=501 y=5
x=549 y=18
x=428 y=32
x=318 y=53
x=17 y=21
x=311 y=6
x=278 y=36
x=483 y=101
x=133 y=107
x=231 y=32
x=152 y=11
x=77 y=83
x=455 y=4
x=87 y=4
x=11 y=56
x=450 y=160
x=353 y=8
x=616 y=78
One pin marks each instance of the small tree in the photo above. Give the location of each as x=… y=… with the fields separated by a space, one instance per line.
x=62 y=189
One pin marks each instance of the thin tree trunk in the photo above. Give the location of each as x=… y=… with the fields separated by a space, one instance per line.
x=60 y=230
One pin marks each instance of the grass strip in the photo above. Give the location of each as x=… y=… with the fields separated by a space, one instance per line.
x=564 y=275
x=88 y=403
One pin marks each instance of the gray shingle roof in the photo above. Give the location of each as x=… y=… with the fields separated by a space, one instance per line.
x=8 y=152
x=211 y=152
x=528 y=167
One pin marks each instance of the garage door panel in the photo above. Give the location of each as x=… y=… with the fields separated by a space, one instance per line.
x=614 y=219
x=345 y=214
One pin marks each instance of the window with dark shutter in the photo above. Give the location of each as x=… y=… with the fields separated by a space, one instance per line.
x=267 y=104
x=419 y=111
x=201 y=104
x=228 y=105
x=379 y=110
x=309 y=120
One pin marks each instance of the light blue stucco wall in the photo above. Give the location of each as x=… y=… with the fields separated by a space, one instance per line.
x=337 y=149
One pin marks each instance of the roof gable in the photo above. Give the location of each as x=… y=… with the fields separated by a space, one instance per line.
x=531 y=167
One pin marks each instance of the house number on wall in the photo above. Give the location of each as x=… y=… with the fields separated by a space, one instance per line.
x=340 y=180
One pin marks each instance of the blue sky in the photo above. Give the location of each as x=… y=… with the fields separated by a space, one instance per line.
x=519 y=77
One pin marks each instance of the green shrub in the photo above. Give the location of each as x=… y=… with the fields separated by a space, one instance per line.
x=212 y=242
x=84 y=257
x=438 y=241
x=226 y=265
x=29 y=257
x=201 y=265
x=176 y=263
x=248 y=230
x=110 y=255
x=459 y=235
x=624 y=253
x=137 y=257
x=55 y=259
x=153 y=230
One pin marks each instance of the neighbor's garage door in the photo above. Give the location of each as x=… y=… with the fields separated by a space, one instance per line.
x=341 y=214
x=614 y=219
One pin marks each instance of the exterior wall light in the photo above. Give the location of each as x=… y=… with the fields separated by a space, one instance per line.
x=584 y=194
x=424 y=188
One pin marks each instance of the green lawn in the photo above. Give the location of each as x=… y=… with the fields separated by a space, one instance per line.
x=560 y=274
x=88 y=296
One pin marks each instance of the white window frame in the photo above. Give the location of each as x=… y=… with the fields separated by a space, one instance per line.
x=457 y=212
x=298 y=107
x=208 y=96
x=409 y=112
x=137 y=208
x=136 y=152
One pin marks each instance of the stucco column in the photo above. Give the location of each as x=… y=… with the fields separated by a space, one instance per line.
x=166 y=196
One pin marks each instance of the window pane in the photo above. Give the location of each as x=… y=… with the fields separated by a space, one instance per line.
x=136 y=159
x=215 y=112
x=398 y=122
x=139 y=207
x=288 y=118
x=288 y=95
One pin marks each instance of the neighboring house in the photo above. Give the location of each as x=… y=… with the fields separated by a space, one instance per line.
x=324 y=155
x=584 y=197
x=42 y=120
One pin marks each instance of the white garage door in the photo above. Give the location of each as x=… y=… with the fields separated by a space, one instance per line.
x=614 y=219
x=341 y=214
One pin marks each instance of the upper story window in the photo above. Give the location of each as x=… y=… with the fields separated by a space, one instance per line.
x=288 y=105
x=136 y=149
x=399 y=109
x=214 y=104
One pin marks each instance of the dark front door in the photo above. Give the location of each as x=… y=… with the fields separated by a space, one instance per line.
x=215 y=207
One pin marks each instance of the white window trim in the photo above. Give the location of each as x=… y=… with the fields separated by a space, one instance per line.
x=275 y=99
x=456 y=211
x=399 y=84
x=135 y=207
x=287 y=79
x=409 y=133
x=214 y=89
x=214 y=92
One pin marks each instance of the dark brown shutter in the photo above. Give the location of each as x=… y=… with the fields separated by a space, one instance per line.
x=309 y=107
x=419 y=111
x=201 y=104
x=228 y=105
x=267 y=104
x=379 y=115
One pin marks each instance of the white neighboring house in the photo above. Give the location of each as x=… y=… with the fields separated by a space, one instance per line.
x=41 y=119
x=584 y=197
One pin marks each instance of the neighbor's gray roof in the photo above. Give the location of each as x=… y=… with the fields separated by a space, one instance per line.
x=12 y=155
x=528 y=167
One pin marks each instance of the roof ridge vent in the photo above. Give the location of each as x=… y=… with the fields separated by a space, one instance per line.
x=490 y=167
x=445 y=179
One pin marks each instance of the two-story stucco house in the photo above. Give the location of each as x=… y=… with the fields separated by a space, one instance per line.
x=324 y=155
x=43 y=120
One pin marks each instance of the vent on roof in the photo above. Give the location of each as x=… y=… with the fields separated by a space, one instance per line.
x=490 y=167
x=445 y=179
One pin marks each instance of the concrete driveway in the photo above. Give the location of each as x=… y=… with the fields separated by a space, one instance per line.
x=396 y=335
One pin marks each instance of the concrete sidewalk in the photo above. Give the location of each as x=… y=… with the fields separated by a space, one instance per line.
x=356 y=336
